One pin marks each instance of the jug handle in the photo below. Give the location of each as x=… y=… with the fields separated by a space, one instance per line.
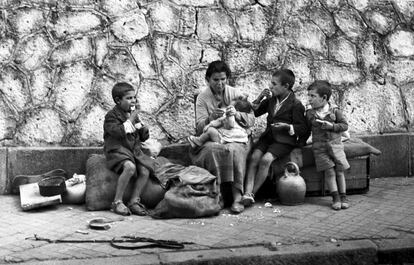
x=294 y=165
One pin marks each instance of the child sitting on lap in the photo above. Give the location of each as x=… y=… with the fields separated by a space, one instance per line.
x=328 y=125
x=224 y=129
x=123 y=135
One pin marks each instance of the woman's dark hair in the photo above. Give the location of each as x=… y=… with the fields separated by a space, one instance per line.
x=322 y=87
x=286 y=77
x=120 y=89
x=217 y=67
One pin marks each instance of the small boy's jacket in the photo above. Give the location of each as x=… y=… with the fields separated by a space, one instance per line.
x=117 y=141
x=292 y=112
x=335 y=117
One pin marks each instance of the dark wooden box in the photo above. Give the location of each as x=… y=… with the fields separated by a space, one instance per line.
x=357 y=178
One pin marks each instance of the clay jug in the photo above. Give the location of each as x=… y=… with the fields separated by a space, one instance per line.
x=291 y=187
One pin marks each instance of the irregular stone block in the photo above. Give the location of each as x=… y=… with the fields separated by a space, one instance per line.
x=394 y=160
x=43 y=127
x=13 y=88
x=187 y=22
x=73 y=85
x=27 y=20
x=300 y=65
x=342 y=50
x=130 y=28
x=274 y=52
x=308 y=36
x=7 y=125
x=118 y=7
x=91 y=126
x=143 y=57
x=215 y=24
x=381 y=21
x=72 y=50
x=322 y=18
x=165 y=18
x=405 y=7
x=71 y=23
x=371 y=52
x=401 y=43
x=350 y=23
x=41 y=81
x=6 y=49
x=120 y=65
x=400 y=71
x=186 y=52
x=241 y=59
x=151 y=95
x=407 y=92
x=32 y=51
x=252 y=24
x=383 y=112
x=337 y=74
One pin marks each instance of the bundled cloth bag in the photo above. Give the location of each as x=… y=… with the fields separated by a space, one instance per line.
x=191 y=192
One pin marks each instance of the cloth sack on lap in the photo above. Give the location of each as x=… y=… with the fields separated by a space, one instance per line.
x=101 y=186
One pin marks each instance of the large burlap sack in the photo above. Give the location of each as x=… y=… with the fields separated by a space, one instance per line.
x=101 y=186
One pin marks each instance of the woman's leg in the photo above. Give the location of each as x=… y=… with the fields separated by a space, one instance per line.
x=252 y=170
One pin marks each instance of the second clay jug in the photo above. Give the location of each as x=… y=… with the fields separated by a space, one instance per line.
x=291 y=187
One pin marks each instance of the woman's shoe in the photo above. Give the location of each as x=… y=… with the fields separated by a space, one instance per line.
x=137 y=208
x=248 y=199
x=237 y=207
x=119 y=207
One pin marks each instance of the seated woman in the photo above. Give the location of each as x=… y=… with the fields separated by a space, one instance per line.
x=228 y=160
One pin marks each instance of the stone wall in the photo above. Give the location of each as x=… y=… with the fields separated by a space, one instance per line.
x=59 y=60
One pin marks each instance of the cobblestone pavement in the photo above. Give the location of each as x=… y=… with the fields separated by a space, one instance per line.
x=385 y=212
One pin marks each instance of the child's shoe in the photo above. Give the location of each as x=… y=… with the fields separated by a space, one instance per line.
x=119 y=207
x=344 y=202
x=248 y=199
x=137 y=208
x=194 y=142
x=336 y=204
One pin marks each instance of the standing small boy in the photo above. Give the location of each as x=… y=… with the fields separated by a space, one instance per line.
x=286 y=123
x=328 y=124
x=123 y=134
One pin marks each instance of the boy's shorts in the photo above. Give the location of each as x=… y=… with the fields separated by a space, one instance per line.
x=278 y=150
x=329 y=155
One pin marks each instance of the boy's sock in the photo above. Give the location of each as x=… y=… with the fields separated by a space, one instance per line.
x=344 y=201
x=336 y=200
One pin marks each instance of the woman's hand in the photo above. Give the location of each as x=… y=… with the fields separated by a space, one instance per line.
x=217 y=113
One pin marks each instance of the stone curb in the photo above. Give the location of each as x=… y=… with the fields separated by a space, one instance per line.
x=342 y=252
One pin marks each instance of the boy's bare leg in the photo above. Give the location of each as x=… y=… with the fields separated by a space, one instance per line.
x=340 y=178
x=330 y=178
x=252 y=170
x=127 y=172
x=263 y=170
x=211 y=134
x=143 y=176
x=135 y=204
